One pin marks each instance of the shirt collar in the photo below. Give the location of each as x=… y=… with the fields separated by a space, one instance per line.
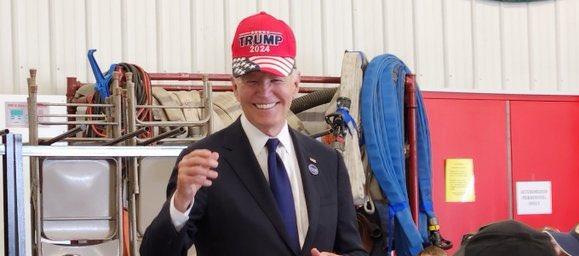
x=257 y=138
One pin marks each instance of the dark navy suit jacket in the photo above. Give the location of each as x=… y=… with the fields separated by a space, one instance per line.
x=237 y=215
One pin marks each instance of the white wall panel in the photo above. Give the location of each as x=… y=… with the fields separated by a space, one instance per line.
x=458 y=45
x=139 y=43
x=567 y=45
x=69 y=40
x=174 y=37
x=515 y=46
x=210 y=41
x=429 y=47
x=399 y=27
x=306 y=20
x=35 y=49
x=18 y=50
x=103 y=32
x=368 y=27
x=279 y=8
x=337 y=34
x=6 y=62
x=487 y=45
x=542 y=46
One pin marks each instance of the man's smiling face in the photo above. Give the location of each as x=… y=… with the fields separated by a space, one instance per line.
x=266 y=98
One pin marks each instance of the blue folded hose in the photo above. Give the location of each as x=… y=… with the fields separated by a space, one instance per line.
x=382 y=119
x=424 y=168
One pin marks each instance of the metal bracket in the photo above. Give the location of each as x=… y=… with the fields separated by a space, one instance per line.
x=14 y=229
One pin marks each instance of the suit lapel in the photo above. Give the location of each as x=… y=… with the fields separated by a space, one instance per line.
x=245 y=165
x=311 y=193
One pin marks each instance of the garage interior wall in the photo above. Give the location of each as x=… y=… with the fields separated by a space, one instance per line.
x=452 y=45
x=511 y=139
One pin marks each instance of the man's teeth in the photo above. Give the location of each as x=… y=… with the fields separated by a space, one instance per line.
x=265 y=106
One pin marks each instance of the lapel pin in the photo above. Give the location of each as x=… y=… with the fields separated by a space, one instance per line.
x=313 y=160
x=313 y=169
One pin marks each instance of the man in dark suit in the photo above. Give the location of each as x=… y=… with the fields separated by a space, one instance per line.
x=258 y=187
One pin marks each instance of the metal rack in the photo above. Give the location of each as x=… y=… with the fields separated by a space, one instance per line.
x=12 y=154
x=125 y=135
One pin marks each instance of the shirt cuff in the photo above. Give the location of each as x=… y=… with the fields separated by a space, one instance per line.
x=179 y=218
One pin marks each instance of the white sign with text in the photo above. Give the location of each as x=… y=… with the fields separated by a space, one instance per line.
x=534 y=197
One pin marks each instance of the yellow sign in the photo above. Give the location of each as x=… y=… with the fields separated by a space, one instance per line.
x=459 y=180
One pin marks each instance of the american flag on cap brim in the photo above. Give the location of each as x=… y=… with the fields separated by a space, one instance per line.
x=282 y=66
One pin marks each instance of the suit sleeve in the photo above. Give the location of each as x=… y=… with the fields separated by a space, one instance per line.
x=348 y=240
x=161 y=237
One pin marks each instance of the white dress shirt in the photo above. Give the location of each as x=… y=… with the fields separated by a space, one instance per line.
x=287 y=153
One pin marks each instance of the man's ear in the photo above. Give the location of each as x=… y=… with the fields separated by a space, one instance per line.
x=297 y=79
x=235 y=87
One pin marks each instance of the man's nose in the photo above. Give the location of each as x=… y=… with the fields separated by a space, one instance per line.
x=264 y=85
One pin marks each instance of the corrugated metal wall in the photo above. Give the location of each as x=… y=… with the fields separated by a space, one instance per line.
x=452 y=45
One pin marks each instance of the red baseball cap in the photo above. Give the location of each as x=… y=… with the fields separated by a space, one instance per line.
x=263 y=43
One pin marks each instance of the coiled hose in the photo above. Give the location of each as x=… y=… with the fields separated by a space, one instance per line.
x=312 y=100
x=142 y=92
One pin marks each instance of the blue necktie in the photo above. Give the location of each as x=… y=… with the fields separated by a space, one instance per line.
x=280 y=186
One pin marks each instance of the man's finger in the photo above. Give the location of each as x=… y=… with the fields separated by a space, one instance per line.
x=212 y=174
x=199 y=160
x=206 y=161
x=198 y=170
x=199 y=180
x=207 y=183
x=193 y=170
x=315 y=252
x=198 y=152
x=193 y=180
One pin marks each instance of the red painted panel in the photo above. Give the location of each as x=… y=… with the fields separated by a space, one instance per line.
x=476 y=129
x=494 y=96
x=545 y=147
